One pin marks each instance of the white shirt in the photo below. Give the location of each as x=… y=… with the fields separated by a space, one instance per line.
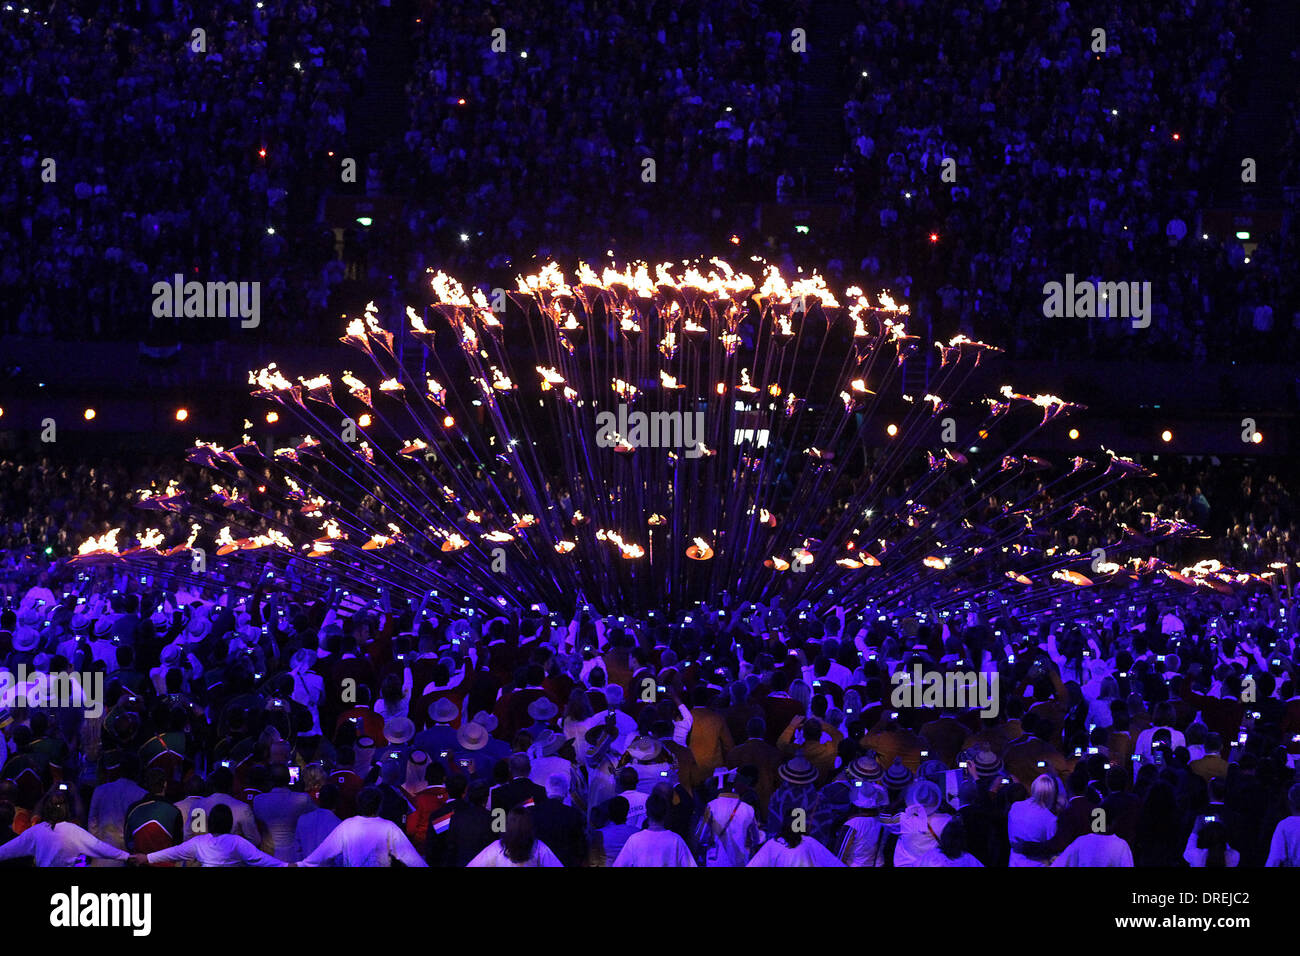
x=213 y=850
x=364 y=841
x=839 y=675
x=809 y=852
x=918 y=834
x=495 y=855
x=60 y=844
x=635 y=806
x=733 y=819
x=1029 y=821
x=655 y=848
x=1096 y=849
x=1284 y=850
x=867 y=848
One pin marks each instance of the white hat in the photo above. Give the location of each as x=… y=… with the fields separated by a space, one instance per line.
x=644 y=748
x=398 y=730
x=547 y=744
x=472 y=736
x=868 y=795
x=26 y=638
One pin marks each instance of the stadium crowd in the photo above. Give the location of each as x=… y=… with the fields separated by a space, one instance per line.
x=1067 y=161
x=168 y=159
x=275 y=730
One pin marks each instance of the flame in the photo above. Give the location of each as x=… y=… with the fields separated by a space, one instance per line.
x=550 y=378
x=628 y=550
x=270 y=379
x=417 y=322
x=105 y=543
x=448 y=291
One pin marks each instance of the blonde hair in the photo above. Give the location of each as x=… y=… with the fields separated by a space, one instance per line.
x=801 y=691
x=1046 y=792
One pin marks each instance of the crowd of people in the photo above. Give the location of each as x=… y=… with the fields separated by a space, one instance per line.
x=149 y=721
x=538 y=142
x=273 y=730
x=143 y=149
x=1068 y=158
x=529 y=128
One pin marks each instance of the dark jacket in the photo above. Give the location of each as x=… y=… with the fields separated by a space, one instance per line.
x=563 y=829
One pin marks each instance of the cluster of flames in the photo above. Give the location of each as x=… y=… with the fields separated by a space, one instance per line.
x=684 y=295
